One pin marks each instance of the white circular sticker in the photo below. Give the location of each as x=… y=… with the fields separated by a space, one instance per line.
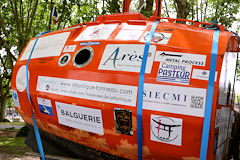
x=21 y=79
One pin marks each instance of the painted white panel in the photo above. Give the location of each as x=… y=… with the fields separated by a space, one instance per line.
x=96 y=32
x=47 y=46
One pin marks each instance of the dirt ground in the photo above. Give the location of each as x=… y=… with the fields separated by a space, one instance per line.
x=7 y=133
x=4 y=156
x=8 y=151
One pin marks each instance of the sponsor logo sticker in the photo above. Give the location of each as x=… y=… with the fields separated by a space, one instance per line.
x=158 y=37
x=47 y=46
x=64 y=59
x=166 y=130
x=15 y=98
x=89 y=43
x=97 y=32
x=79 y=117
x=174 y=99
x=69 y=48
x=123 y=121
x=174 y=73
x=126 y=57
x=183 y=58
x=21 y=78
x=45 y=106
x=202 y=74
x=102 y=92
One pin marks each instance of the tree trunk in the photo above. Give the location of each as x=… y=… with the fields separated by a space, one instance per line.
x=141 y=4
x=114 y=6
x=22 y=41
x=166 y=8
x=201 y=9
x=149 y=6
x=182 y=8
x=50 y=16
x=216 y=11
x=62 y=14
x=2 y=108
x=205 y=11
x=192 y=10
x=197 y=10
x=147 y=11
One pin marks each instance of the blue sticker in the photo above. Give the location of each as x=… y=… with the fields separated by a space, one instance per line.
x=45 y=106
x=15 y=98
x=46 y=110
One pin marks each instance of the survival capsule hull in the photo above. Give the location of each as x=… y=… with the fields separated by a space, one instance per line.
x=83 y=83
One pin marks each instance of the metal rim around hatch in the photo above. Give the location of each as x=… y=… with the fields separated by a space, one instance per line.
x=85 y=63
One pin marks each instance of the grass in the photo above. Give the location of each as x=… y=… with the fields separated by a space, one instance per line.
x=9 y=130
x=13 y=146
x=13 y=123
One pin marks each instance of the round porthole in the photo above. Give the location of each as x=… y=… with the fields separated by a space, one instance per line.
x=82 y=57
x=64 y=59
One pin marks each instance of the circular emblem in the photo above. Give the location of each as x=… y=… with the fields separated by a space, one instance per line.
x=21 y=78
x=64 y=59
x=165 y=129
x=157 y=37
